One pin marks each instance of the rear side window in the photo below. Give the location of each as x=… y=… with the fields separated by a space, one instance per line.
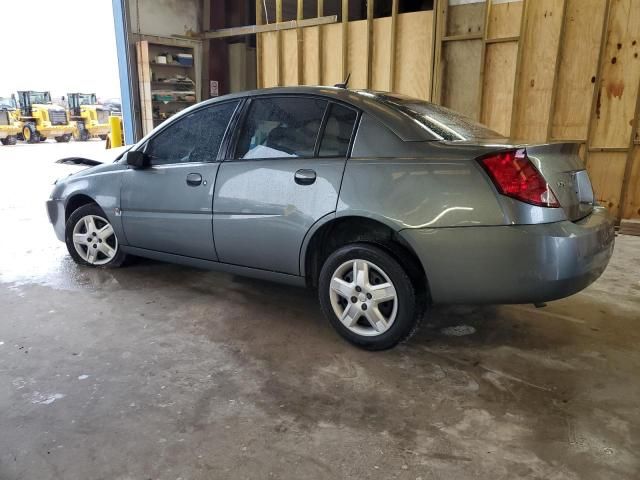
x=338 y=131
x=194 y=138
x=280 y=127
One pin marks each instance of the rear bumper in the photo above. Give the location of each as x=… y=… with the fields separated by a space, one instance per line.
x=514 y=264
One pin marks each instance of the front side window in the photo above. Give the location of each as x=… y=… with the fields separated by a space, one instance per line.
x=337 y=131
x=196 y=137
x=280 y=127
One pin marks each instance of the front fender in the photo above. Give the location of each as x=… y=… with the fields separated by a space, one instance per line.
x=102 y=185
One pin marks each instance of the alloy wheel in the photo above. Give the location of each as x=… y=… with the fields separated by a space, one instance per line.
x=94 y=240
x=363 y=297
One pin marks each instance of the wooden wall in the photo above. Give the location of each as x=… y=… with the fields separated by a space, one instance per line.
x=373 y=59
x=536 y=70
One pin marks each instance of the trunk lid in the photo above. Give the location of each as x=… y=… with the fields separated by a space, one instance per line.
x=562 y=168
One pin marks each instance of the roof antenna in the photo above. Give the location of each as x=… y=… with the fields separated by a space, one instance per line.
x=345 y=83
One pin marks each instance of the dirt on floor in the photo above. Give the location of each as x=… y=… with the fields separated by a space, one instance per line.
x=156 y=371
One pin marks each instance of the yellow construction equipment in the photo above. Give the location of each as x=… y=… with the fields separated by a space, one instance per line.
x=39 y=118
x=88 y=117
x=9 y=126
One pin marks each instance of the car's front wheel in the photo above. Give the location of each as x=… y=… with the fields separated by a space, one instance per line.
x=368 y=297
x=91 y=239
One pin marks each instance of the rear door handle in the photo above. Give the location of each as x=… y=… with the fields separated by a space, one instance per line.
x=305 y=177
x=194 y=179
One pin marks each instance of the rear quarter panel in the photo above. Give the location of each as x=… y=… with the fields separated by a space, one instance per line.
x=416 y=184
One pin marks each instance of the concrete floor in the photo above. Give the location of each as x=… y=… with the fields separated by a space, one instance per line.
x=156 y=371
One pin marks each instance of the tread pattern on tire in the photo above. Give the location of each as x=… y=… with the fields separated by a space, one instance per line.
x=411 y=310
x=88 y=209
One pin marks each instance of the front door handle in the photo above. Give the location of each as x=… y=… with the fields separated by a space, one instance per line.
x=305 y=177
x=194 y=179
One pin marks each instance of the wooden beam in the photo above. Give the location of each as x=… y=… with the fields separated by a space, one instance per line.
x=279 y=44
x=270 y=27
x=441 y=8
x=320 y=14
x=345 y=39
x=515 y=38
x=392 y=47
x=624 y=191
x=516 y=82
x=259 y=82
x=205 y=24
x=596 y=89
x=559 y=53
x=485 y=33
x=370 y=4
x=457 y=38
x=608 y=149
x=300 y=40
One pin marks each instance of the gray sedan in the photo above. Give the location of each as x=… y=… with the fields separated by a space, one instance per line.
x=384 y=203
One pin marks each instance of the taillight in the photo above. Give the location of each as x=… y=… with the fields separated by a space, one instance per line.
x=515 y=176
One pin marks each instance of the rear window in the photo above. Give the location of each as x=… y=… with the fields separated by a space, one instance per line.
x=444 y=123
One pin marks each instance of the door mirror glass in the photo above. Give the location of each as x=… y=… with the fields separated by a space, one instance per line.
x=137 y=159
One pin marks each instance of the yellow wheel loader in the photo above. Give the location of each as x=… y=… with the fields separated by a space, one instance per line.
x=89 y=118
x=9 y=126
x=40 y=118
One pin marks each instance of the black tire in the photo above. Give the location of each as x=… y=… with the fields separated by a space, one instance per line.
x=91 y=209
x=63 y=138
x=43 y=139
x=83 y=133
x=409 y=307
x=103 y=137
x=30 y=134
x=10 y=140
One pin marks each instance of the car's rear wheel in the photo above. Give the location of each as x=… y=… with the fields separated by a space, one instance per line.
x=91 y=239
x=368 y=297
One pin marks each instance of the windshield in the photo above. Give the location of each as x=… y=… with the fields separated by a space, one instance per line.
x=7 y=102
x=444 y=123
x=40 y=97
x=87 y=99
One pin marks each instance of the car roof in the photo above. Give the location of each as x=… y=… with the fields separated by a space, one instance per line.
x=366 y=100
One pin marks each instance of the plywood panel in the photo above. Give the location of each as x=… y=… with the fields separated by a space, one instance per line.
x=289 y=57
x=414 y=52
x=465 y=19
x=540 y=41
x=331 y=54
x=357 y=54
x=381 y=53
x=269 y=64
x=144 y=84
x=606 y=170
x=461 y=62
x=631 y=207
x=504 y=19
x=616 y=100
x=499 y=77
x=577 y=69
x=310 y=70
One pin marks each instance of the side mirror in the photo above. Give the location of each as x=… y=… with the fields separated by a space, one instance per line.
x=137 y=159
